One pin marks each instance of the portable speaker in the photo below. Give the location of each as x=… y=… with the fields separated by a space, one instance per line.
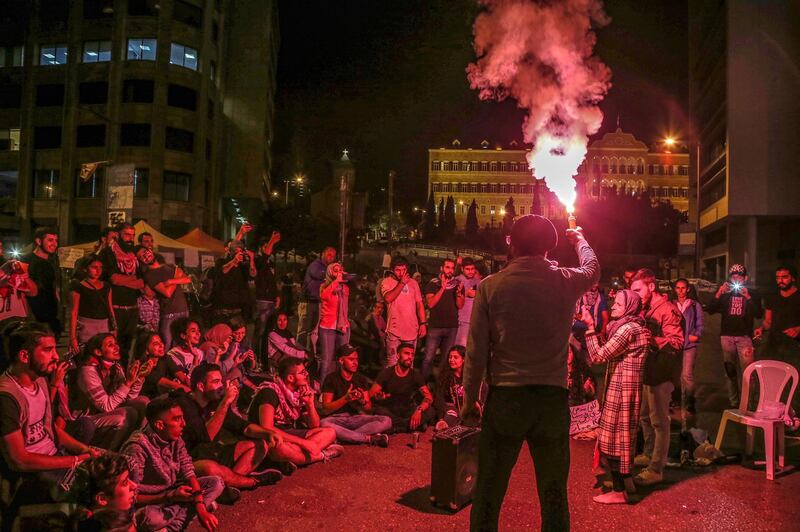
x=454 y=466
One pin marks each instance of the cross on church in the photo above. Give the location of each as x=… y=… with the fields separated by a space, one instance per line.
x=344 y=153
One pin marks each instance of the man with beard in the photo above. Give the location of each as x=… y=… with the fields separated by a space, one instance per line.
x=209 y=413
x=444 y=296
x=146 y=239
x=44 y=270
x=34 y=448
x=168 y=486
x=119 y=267
x=165 y=281
x=469 y=279
x=782 y=319
x=401 y=394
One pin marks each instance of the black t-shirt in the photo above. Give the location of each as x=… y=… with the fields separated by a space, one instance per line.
x=93 y=302
x=195 y=433
x=266 y=287
x=785 y=312
x=445 y=313
x=9 y=415
x=121 y=295
x=737 y=312
x=401 y=389
x=268 y=396
x=47 y=276
x=230 y=289
x=150 y=384
x=336 y=385
x=169 y=305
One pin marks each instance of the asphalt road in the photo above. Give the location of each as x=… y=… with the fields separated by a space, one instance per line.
x=387 y=489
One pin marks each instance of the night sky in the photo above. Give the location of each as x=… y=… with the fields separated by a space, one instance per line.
x=386 y=80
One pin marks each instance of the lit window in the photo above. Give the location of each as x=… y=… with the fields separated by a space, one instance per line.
x=11 y=56
x=141 y=182
x=53 y=54
x=45 y=184
x=492 y=210
x=522 y=210
x=142 y=49
x=483 y=209
x=96 y=51
x=183 y=56
x=9 y=139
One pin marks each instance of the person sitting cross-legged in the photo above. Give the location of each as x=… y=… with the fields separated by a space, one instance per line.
x=218 y=438
x=282 y=405
x=400 y=393
x=345 y=398
x=168 y=486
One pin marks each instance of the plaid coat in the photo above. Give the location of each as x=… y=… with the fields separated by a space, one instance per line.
x=625 y=353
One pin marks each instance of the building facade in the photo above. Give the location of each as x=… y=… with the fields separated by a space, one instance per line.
x=743 y=86
x=616 y=163
x=139 y=82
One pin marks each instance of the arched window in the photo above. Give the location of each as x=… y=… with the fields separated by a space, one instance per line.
x=493 y=166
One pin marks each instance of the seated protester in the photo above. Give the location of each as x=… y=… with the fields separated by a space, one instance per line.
x=345 y=400
x=110 y=494
x=185 y=354
x=215 y=348
x=400 y=393
x=149 y=310
x=92 y=312
x=33 y=447
x=240 y=347
x=100 y=389
x=150 y=350
x=281 y=342
x=449 y=397
x=169 y=490
x=282 y=406
x=215 y=433
x=166 y=281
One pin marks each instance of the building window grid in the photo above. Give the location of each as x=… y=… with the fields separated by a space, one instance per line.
x=142 y=49
x=141 y=183
x=9 y=139
x=45 y=184
x=176 y=186
x=12 y=56
x=183 y=55
x=90 y=188
x=96 y=51
x=53 y=54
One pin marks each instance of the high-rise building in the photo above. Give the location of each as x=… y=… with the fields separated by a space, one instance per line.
x=615 y=163
x=743 y=98
x=181 y=89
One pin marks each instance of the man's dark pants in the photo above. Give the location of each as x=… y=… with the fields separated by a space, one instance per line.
x=538 y=414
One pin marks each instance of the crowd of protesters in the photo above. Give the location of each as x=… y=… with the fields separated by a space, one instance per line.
x=153 y=415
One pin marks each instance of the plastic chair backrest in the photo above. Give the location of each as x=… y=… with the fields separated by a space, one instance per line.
x=773 y=376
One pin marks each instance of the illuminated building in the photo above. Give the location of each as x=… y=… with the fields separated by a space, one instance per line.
x=743 y=100
x=615 y=163
x=182 y=89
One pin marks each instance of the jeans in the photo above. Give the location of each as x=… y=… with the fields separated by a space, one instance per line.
x=687 y=381
x=537 y=414
x=264 y=311
x=127 y=324
x=356 y=428
x=329 y=341
x=178 y=515
x=654 y=418
x=463 y=333
x=438 y=337
x=737 y=354
x=308 y=325
x=165 y=327
x=107 y=430
x=392 y=342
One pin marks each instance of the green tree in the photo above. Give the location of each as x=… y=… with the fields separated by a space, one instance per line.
x=440 y=224
x=450 y=217
x=508 y=217
x=429 y=226
x=471 y=227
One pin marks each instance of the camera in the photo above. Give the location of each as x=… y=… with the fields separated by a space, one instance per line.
x=736 y=287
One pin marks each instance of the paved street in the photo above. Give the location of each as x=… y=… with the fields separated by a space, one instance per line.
x=370 y=489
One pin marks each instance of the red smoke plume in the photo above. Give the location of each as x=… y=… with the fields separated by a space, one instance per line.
x=540 y=54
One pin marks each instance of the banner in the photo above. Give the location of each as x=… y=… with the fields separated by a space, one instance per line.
x=584 y=417
x=119 y=195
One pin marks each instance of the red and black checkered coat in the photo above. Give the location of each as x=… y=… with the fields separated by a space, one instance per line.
x=625 y=353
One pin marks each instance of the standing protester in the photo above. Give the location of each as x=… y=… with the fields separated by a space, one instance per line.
x=662 y=372
x=406 y=319
x=231 y=273
x=469 y=279
x=692 y=312
x=444 y=296
x=739 y=307
x=308 y=308
x=119 y=268
x=15 y=288
x=267 y=299
x=334 y=324
x=345 y=399
x=92 y=310
x=44 y=270
x=625 y=352
x=166 y=281
x=595 y=302
x=518 y=337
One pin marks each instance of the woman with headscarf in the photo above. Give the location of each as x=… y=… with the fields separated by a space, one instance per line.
x=625 y=352
x=281 y=343
x=215 y=348
x=334 y=325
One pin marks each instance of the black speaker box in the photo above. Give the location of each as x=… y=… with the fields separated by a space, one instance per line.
x=454 y=466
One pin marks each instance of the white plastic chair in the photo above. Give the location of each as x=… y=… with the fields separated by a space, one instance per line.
x=773 y=376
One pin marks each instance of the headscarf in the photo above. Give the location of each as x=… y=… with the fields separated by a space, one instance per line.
x=329 y=275
x=283 y=333
x=632 y=305
x=218 y=334
x=342 y=323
